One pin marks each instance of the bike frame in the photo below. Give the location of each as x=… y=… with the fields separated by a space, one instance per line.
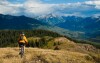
x=22 y=51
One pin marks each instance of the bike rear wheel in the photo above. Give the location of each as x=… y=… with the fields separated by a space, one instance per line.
x=22 y=51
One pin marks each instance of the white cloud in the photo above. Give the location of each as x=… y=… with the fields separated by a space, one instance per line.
x=93 y=2
x=29 y=7
x=4 y=2
x=74 y=14
x=9 y=8
x=37 y=7
x=96 y=3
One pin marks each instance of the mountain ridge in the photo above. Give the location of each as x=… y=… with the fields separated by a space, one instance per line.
x=65 y=25
x=87 y=25
x=18 y=22
x=23 y=22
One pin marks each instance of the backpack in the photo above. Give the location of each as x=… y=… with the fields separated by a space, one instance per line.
x=21 y=37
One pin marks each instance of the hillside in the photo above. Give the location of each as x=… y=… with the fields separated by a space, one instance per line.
x=88 y=26
x=71 y=26
x=18 y=22
x=9 y=22
x=36 y=55
x=67 y=52
x=46 y=47
x=66 y=45
x=73 y=23
x=11 y=36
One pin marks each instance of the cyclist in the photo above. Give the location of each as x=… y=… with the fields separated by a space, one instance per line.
x=22 y=41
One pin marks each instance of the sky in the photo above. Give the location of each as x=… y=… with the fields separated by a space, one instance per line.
x=43 y=7
x=51 y=1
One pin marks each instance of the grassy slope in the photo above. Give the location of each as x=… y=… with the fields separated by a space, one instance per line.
x=69 y=52
x=10 y=55
x=68 y=45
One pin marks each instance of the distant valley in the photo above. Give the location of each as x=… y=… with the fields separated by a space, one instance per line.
x=72 y=26
x=89 y=26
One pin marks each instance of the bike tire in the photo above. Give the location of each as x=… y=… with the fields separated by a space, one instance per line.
x=22 y=52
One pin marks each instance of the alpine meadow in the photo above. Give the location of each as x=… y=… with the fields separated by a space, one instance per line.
x=49 y=31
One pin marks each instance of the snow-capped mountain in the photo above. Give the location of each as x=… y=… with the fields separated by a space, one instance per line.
x=74 y=23
x=87 y=25
x=51 y=19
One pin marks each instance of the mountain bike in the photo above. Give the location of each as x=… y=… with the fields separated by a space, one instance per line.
x=22 y=51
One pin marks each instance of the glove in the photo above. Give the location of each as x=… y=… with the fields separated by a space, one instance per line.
x=26 y=43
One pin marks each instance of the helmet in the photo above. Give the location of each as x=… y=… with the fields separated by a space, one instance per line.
x=22 y=33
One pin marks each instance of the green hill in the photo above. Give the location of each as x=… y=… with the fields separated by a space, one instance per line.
x=48 y=47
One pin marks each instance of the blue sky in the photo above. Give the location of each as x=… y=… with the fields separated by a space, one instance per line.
x=62 y=1
x=51 y=1
x=13 y=1
x=42 y=7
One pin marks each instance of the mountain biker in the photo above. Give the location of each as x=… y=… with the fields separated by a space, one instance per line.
x=22 y=41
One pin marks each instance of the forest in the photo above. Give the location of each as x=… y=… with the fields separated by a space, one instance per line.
x=9 y=38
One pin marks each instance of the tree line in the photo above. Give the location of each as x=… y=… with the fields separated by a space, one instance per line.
x=9 y=38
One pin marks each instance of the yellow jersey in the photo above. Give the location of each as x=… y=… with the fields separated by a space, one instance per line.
x=24 y=40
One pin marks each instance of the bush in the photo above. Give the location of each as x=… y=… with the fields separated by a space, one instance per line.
x=56 y=48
